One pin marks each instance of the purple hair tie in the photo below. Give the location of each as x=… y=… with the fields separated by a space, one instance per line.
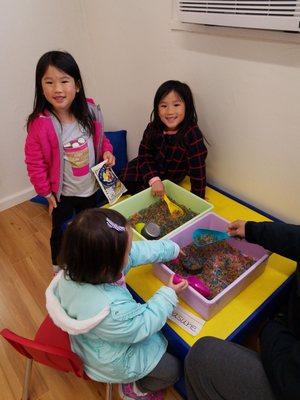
x=114 y=226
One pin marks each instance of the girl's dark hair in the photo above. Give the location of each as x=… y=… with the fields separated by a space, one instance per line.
x=65 y=62
x=92 y=251
x=184 y=92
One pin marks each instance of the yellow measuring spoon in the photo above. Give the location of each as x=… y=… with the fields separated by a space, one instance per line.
x=174 y=209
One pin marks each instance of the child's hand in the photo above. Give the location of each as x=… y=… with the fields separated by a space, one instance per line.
x=158 y=189
x=179 y=287
x=110 y=158
x=237 y=228
x=52 y=203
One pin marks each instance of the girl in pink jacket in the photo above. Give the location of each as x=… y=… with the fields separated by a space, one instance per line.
x=65 y=139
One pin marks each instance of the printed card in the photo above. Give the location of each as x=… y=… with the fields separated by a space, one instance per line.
x=110 y=184
x=187 y=321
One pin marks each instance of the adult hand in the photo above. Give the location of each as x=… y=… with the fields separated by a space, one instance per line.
x=110 y=158
x=158 y=189
x=178 y=287
x=237 y=228
x=52 y=203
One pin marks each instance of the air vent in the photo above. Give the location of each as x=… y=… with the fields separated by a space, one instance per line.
x=281 y=15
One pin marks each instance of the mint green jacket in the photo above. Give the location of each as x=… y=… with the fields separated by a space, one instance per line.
x=118 y=339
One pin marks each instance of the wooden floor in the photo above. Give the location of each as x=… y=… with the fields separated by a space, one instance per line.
x=26 y=271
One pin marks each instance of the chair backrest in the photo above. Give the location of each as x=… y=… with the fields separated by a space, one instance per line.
x=50 y=347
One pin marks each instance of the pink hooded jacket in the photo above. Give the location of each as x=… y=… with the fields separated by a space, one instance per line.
x=44 y=151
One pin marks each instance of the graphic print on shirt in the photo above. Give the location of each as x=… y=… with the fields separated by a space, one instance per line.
x=77 y=153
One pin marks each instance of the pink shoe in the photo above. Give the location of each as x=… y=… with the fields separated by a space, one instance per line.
x=126 y=392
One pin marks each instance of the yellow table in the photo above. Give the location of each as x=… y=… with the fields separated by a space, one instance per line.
x=234 y=314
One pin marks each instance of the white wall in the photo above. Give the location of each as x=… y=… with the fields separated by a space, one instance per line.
x=246 y=88
x=132 y=56
x=249 y=92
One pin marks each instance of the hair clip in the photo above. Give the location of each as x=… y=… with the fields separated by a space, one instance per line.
x=115 y=226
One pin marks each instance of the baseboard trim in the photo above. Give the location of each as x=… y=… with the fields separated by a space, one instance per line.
x=17 y=198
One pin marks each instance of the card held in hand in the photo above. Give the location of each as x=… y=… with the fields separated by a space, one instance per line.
x=108 y=181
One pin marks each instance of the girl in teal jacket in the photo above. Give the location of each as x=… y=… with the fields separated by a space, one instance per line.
x=118 y=339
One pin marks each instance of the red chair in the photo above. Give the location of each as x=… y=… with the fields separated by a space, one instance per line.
x=51 y=347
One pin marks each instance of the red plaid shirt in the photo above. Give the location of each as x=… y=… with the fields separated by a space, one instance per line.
x=160 y=155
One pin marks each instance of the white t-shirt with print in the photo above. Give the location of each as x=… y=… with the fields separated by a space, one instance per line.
x=79 y=157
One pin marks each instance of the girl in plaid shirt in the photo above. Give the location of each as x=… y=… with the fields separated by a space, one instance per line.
x=172 y=145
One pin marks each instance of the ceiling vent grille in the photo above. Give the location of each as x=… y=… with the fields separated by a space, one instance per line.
x=281 y=15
